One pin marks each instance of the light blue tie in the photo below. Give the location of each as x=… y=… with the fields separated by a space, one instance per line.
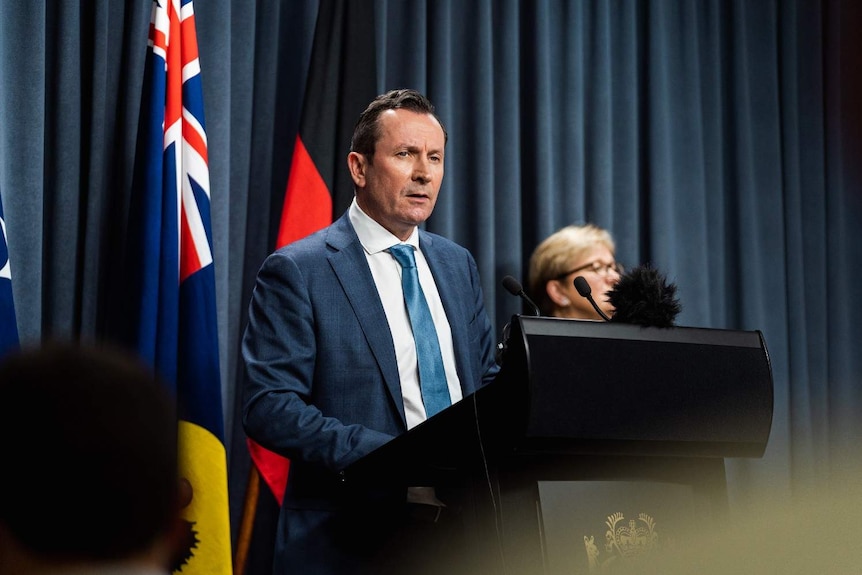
x=432 y=376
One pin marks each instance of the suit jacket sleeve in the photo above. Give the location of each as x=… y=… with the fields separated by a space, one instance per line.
x=285 y=361
x=486 y=344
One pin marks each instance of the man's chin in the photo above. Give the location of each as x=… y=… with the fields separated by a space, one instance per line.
x=416 y=216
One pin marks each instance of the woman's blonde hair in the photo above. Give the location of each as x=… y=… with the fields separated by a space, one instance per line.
x=553 y=257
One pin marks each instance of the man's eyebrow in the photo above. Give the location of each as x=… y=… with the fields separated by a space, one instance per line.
x=417 y=148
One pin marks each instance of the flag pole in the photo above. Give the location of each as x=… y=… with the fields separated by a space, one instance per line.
x=246 y=526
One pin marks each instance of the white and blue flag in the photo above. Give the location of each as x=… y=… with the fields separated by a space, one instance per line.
x=8 y=324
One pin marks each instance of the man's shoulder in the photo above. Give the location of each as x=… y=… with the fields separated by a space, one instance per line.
x=439 y=242
x=314 y=242
x=431 y=242
x=335 y=236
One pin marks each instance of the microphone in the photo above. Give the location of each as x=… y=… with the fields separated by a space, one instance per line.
x=514 y=287
x=584 y=289
x=643 y=296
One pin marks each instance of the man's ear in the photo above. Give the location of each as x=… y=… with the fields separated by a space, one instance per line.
x=356 y=163
x=555 y=291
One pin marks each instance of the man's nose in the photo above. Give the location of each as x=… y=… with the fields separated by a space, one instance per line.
x=421 y=171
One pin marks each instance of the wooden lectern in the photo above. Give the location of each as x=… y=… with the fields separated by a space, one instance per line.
x=597 y=442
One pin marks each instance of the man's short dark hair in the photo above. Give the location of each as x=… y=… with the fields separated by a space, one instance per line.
x=88 y=439
x=367 y=130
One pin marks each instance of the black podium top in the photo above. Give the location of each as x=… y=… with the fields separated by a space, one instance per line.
x=585 y=387
x=679 y=391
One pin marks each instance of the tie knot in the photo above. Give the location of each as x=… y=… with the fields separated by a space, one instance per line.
x=403 y=254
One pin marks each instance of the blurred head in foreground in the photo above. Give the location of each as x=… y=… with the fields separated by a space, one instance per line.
x=88 y=437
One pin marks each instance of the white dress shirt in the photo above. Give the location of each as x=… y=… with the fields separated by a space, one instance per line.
x=386 y=271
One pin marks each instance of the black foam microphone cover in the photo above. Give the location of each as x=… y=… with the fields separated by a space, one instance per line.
x=643 y=296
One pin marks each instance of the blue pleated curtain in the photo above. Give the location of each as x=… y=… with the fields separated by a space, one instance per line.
x=718 y=140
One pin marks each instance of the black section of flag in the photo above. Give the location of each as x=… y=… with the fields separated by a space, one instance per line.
x=342 y=81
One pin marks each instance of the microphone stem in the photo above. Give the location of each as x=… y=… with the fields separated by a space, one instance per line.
x=597 y=308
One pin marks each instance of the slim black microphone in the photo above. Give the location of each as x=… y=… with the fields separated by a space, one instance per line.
x=514 y=287
x=586 y=291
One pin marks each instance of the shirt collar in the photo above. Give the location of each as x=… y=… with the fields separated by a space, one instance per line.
x=374 y=237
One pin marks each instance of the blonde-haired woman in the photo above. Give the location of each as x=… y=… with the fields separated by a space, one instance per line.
x=585 y=250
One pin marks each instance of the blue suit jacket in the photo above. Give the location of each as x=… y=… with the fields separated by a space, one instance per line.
x=323 y=386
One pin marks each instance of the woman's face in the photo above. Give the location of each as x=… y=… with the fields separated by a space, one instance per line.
x=598 y=266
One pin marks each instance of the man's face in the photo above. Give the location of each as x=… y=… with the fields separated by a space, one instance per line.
x=399 y=187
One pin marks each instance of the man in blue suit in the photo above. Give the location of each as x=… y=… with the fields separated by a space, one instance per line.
x=333 y=365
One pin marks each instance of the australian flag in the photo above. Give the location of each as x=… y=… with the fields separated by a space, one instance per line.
x=171 y=308
x=8 y=325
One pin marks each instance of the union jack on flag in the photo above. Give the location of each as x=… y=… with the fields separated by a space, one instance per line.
x=171 y=286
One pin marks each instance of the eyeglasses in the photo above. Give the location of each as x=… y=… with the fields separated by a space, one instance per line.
x=597 y=267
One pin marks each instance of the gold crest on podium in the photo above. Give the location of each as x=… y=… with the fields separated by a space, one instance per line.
x=624 y=540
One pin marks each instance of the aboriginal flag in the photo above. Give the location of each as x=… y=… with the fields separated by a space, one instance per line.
x=341 y=83
x=171 y=308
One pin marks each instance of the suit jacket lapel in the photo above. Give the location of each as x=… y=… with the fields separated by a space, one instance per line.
x=351 y=267
x=452 y=295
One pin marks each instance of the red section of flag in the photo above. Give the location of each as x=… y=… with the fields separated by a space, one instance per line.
x=307 y=203
x=195 y=140
x=174 y=59
x=272 y=467
x=190 y=40
x=189 y=260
